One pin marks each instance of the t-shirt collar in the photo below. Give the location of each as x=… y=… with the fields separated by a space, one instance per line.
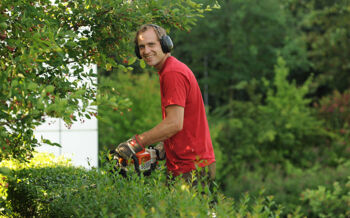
x=165 y=62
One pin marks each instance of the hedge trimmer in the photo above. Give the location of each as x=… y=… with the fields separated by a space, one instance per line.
x=144 y=161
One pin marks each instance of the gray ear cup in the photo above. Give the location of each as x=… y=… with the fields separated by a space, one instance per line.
x=165 y=42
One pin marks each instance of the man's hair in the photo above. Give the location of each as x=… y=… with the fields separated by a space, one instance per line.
x=160 y=31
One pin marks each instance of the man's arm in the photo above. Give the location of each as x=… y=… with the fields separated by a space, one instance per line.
x=171 y=125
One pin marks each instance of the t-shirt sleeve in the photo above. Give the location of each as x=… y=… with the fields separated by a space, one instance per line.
x=175 y=88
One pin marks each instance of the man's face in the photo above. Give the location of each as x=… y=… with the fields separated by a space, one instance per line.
x=150 y=48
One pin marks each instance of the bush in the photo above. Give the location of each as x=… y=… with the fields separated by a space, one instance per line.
x=277 y=143
x=328 y=202
x=281 y=129
x=334 y=110
x=286 y=185
x=39 y=160
x=289 y=129
x=64 y=191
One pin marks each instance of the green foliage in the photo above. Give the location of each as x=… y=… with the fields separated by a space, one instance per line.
x=279 y=144
x=287 y=185
x=63 y=191
x=335 y=110
x=143 y=113
x=324 y=28
x=39 y=160
x=34 y=72
x=242 y=39
x=44 y=47
x=328 y=202
x=283 y=129
x=289 y=127
x=238 y=42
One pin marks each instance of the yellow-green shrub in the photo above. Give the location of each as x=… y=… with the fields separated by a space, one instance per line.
x=39 y=160
x=65 y=191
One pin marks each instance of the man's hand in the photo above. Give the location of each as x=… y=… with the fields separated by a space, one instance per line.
x=156 y=153
x=130 y=147
x=160 y=151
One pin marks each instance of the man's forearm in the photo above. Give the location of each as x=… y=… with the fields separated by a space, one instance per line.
x=171 y=125
x=162 y=131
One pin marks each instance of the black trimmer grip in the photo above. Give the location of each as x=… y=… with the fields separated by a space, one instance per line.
x=136 y=164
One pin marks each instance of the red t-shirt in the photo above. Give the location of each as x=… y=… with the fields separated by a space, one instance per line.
x=191 y=146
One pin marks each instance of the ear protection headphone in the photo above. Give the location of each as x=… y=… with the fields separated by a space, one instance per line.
x=165 y=42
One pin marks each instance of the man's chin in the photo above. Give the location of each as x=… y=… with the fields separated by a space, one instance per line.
x=151 y=63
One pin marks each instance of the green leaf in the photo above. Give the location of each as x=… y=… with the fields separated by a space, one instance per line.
x=5 y=171
x=3 y=25
x=241 y=85
x=32 y=86
x=14 y=83
x=108 y=67
x=142 y=64
x=131 y=60
x=80 y=92
x=122 y=67
x=50 y=88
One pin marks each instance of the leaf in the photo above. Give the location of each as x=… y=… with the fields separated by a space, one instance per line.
x=241 y=85
x=50 y=88
x=3 y=25
x=108 y=67
x=47 y=141
x=32 y=86
x=131 y=60
x=5 y=171
x=14 y=83
x=122 y=67
x=142 y=64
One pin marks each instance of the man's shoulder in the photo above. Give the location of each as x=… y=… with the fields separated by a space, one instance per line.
x=175 y=65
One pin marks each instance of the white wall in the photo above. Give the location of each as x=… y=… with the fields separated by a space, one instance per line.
x=79 y=142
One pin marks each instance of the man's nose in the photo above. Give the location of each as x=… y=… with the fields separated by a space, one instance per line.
x=147 y=49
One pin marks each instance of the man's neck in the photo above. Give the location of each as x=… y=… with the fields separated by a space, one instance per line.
x=161 y=64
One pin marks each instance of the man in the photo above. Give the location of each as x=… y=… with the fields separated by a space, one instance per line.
x=184 y=128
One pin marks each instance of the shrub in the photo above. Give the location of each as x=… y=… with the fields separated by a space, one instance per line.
x=64 y=191
x=328 y=202
x=283 y=129
x=39 y=160
x=287 y=185
x=289 y=128
x=276 y=143
x=334 y=110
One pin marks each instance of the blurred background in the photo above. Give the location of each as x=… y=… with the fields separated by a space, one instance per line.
x=275 y=78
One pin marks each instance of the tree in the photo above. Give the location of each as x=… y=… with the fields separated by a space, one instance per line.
x=44 y=47
x=324 y=26
x=235 y=44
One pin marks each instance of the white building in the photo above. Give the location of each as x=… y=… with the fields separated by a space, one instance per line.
x=79 y=142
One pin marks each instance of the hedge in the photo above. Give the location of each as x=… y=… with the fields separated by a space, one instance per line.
x=61 y=190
